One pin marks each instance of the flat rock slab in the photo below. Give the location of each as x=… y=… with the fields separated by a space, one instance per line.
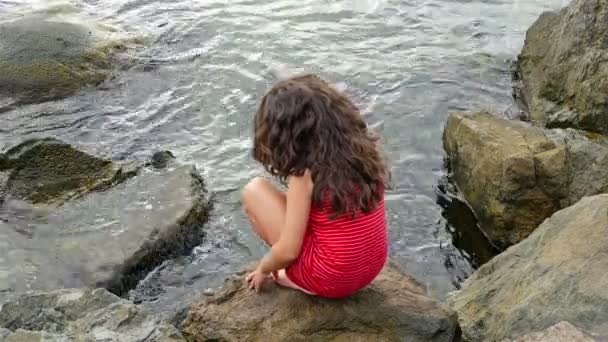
x=556 y=274
x=118 y=236
x=110 y=238
x=81 y=315
x=394 y=308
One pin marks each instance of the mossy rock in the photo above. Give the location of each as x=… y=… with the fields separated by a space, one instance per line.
x=51 y=171
x=41 y=59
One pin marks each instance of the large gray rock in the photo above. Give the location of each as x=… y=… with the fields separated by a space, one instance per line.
x=394 y=307
x=81 y=315
x=562 y=67
x=43 y=58
x=556 y=274
x=108 y=239
x=514 y=175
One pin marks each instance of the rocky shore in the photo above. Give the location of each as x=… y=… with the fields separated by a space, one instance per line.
x=539 y=189
x=79 y=231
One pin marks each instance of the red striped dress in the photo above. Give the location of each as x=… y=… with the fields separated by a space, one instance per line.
x=343 y=255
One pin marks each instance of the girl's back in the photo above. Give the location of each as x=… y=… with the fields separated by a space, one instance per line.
x=342 y=255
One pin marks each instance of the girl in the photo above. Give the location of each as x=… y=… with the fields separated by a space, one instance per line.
x=328 y=232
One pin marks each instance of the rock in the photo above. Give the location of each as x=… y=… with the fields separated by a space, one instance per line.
x=561 y=332
x=514 y=175
x=511 y=174
x=27 y=264
x=73 y=315
x=21 y=335
x=109 y=238
x=554 y=275
x=4 y=333
x=51 y=171
x=161 y=160
x=586 y=160
x=3 y=162
x=43 y=58
x=118 y=236
x=394 y=308
x=561 y=68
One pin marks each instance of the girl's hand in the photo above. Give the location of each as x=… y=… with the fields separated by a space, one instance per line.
x=255 y=279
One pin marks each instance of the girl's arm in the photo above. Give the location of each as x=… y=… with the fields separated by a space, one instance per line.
x=287 y=249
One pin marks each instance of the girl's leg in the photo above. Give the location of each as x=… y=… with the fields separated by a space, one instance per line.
x=266 y=206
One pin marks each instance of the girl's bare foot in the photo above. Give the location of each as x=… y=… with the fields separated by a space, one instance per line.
x=280 y=278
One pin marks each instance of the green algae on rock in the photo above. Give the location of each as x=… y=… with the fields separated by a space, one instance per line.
x=42 y=58
x=50 y=171
x=556 y=274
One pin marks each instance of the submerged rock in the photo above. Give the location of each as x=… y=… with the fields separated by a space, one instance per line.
x=562 y=67
x=556 y=274
x=42 y=58
x=561 y=332
x=51 y=171
x=75 y=315
x=394 y=308
x=514 y=175
x=109 y=238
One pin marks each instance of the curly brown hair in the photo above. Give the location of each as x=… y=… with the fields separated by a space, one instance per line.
x=304 y=123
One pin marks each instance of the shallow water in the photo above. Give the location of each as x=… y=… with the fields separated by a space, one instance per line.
x=205 y=64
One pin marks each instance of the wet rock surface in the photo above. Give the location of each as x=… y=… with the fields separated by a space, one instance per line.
x=550 y=277
x=394 y=308
x=110 y=238
x=81 y=315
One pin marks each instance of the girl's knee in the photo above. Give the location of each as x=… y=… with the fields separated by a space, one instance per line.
x=256 y=188
x=249 y=190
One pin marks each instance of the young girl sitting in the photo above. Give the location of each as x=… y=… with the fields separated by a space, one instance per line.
x=328 y=231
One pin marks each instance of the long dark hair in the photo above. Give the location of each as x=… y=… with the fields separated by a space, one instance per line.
x=304 y=123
